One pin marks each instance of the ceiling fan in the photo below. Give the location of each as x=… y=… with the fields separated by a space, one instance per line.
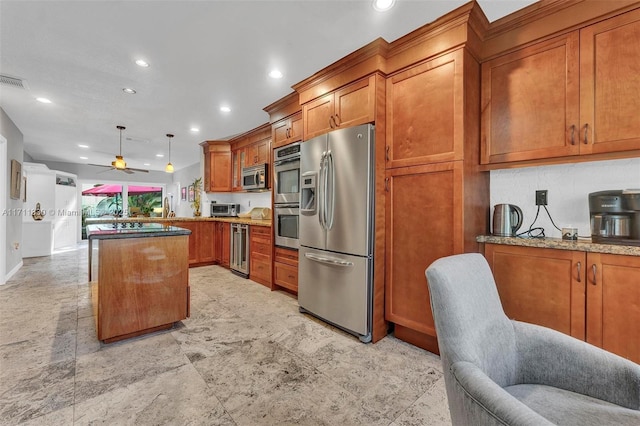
x=119 y=163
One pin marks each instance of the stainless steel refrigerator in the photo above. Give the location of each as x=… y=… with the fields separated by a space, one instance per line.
x=336 y=229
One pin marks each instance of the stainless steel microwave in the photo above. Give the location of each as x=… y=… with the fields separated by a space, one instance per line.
x=254 y=177
x=224 y=209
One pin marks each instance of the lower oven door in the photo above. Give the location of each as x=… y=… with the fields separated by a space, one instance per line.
x=286 y=225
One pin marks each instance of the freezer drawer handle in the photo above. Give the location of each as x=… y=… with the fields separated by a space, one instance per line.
x=328 y=260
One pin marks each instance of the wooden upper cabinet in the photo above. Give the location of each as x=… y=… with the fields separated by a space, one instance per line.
x=610 y=85
x=425 y=112
x=238 y=161
x=575 y=94
x=287 y=130
x=530 y=102
x=217 y=166
x=258 y=152
x=348 y=106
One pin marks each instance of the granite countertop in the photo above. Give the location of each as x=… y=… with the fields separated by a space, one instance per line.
x=557 y=243
x=247 y=221
x=106 y=231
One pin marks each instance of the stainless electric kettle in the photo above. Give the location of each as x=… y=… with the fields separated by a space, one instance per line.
x=507 y=219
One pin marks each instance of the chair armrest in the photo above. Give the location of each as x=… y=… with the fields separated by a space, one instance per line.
x=481 y=401
x=551 y=358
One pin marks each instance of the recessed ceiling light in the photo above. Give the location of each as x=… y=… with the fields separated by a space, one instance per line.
x=195 y=129
x=159 y=155
x=146 y=164
x=383 y=5
x=275 y=74
x=225 y=109
x=128 y=90
x=43 y=100
x=142 y=63
x=84 y=158
x=83 y=146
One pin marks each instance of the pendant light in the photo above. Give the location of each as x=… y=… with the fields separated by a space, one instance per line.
x=120 y=164
x=169 y=167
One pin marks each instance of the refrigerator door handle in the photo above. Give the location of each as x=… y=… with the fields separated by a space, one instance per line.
x=331 y=174
x=328 y=260
x=322 y=186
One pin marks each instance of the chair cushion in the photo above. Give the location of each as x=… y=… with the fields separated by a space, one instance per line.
x=563 y=407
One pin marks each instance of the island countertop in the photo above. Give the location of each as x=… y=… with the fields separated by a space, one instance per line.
x=142 y=230
x=171 y=220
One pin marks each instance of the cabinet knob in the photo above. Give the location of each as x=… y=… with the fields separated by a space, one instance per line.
x=386 y=184
x=386 y=154
x=579 y=267
x=593 y=269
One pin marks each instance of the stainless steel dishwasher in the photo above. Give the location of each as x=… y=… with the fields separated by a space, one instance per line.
x=239 y=262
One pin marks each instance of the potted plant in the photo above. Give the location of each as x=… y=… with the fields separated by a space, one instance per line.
x=195 y=204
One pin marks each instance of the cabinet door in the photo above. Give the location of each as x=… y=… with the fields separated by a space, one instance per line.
x=317 y=115
x=220 y=172
x=613 y=303
x=206 y=242
x=295 y=129
x=541 y=286
x=424 y=223
x=193 y=239
x=280 y=132
x=530 y=102
x=424 y=113
x=610 y=85
x=224 y=234
x=355 y=104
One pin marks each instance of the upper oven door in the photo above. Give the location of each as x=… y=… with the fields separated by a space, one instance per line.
x=287 y=181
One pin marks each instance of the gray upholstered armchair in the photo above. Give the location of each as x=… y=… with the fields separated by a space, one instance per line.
x=504 y=372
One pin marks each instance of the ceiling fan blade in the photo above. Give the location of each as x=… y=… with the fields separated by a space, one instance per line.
x=104 y=171
x=128 y=171
x=138 y=170
x=100 y=165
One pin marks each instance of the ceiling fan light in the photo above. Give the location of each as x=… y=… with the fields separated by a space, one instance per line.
x=169 y=168
x=119 y=163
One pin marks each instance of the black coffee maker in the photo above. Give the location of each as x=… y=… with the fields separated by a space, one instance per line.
x=615 y=217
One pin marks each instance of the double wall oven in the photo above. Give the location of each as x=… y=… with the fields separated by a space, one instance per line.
x=286 y=199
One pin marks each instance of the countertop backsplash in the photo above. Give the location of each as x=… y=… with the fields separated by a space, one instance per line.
x=569 y=186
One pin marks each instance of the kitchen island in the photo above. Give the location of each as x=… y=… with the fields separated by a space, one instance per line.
x=139 y=278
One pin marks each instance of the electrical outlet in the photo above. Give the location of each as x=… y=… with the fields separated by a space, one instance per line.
x=541 y=197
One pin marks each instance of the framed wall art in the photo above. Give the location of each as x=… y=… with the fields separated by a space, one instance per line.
x=16 y=179
x=192 y=193
x=183 y=193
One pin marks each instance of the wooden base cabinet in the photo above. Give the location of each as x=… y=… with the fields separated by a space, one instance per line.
x=285 y=270
x=260 y=254
x=590 y=296
x=223 y=243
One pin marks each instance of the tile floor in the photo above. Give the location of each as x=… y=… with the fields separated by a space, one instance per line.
x=245 y=357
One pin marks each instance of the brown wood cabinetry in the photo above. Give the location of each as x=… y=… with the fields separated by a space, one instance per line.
x=238 y=161
x=437 y=205
x=260 y=254
x=287 y=130
x=142 y=285
x=575 y=94
x=590 y=296
x=541 y=286
x=217 y=166
x=348 y=106
x=248 y=149
x=285 y=269
x=222 y=243
x=258 y=152
x=202 y=247
x=424 y=106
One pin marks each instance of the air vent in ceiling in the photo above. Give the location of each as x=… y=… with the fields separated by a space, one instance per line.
x=13 y=82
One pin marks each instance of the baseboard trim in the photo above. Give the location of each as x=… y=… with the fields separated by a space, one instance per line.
x=12 y=272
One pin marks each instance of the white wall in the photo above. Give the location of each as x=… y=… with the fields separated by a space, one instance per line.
x=3 y=206
x=569 y=186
